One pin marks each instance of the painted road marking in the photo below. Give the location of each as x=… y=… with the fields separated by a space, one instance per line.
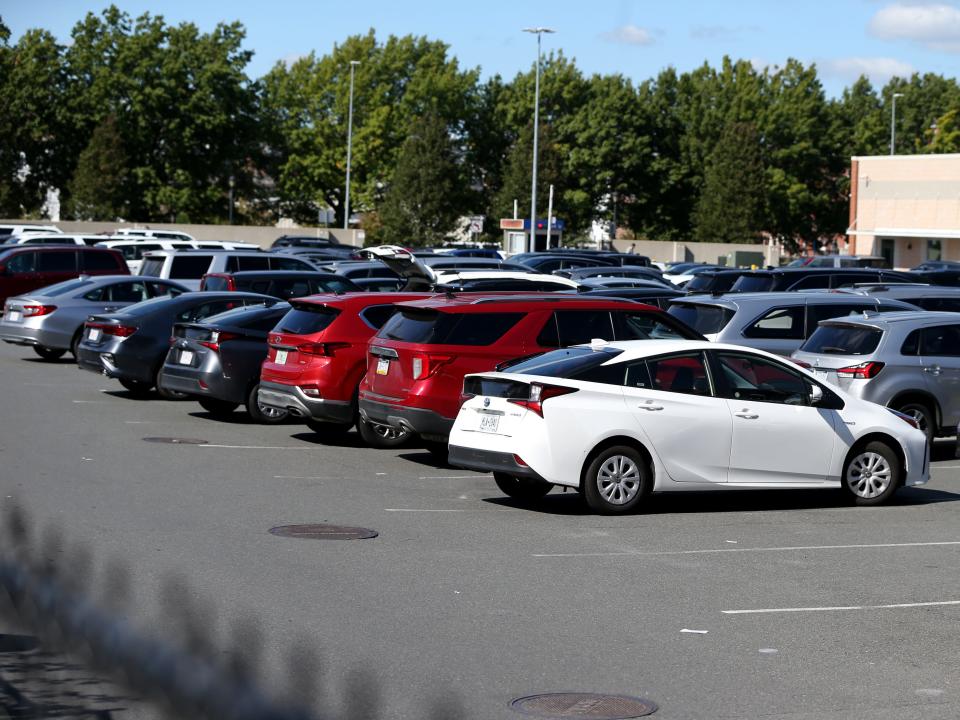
x=717 y=551
x=837 y=608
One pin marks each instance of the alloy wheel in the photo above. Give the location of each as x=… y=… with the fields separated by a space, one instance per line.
x=869 y=474
x=618 y=480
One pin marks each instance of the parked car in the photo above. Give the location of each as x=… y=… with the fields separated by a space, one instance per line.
x=355 y=269
x=307 y=242
x=189 y=267
x=425 y=273
x=51 y=319
x=658 y=296
x=317 y=256
x=51 y=238
x=775 y=322
x=472 y=252
x=379 y=284
x=416 y=362
x=908 y=361
x=154 y=234
x=544 y=262
x=937 y=265
x=715 y=281
x=18 y=229
x=621 y=420
x=610 y=271
x=133 y=249
x=814 y=279
x=26 y=268
x=216 y=361
x=317 y=357
x=282 y=284
x=500 y=281
x=923 y=296
x=130 y=345
x=681 y=278
x=592 y=283
x=840 y=261
x=621 y=258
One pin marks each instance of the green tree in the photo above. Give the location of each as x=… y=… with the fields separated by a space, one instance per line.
x=516 y=184
x=944 y=135
x=98 y=188
x=424 y=197
x=731 y=206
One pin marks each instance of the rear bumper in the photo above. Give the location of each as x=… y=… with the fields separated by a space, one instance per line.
x=187 y=380
x=426 y=423
x=489 y=461
x=292 y=399
x=26 y=335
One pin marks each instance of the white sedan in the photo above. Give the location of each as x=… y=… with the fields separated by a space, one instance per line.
x=620 y=420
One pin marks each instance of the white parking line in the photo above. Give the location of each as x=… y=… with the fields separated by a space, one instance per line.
x=718 y=551
x=835 y=608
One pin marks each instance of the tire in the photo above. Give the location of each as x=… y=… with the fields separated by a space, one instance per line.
x=167 y=394
x=217 y=408
x=261 y=413
x=137 y=388
x=328 y=429
x=381 y=436
x=47 y=353
x=521 y=488
x=921 y=412
x=75 y=342
x=872 y=474
x=616 y=481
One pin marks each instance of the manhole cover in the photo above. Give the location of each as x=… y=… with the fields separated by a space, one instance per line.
x=584 y=705
x=323 y=532
x=176 y=440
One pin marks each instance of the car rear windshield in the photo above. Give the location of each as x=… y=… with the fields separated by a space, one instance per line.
x=306 y=318
x=753 y=283
x=62 y=288
x=705 y=319
x=152 y=267
x=431 y=327
x=843 y=340
x=217 y=283
x=566 y=363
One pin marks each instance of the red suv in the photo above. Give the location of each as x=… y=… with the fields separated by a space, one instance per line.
x=318 y=355
x=416 y=363
x=27 y=267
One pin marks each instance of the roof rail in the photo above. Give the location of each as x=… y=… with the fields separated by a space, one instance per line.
x=553 y=297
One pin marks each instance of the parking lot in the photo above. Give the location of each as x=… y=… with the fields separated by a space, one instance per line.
x=724 y=605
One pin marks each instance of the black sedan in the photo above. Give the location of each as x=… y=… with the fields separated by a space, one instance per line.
x=217 y=361
x=131 y=345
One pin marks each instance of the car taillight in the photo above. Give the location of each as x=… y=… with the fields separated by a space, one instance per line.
x=912 y=422
x=539 y=394
x=116 y=330
x=325 y=349
x=216 y=338
x=37 y=310
x=427 y=365
x=800 y=363
x=863 y=371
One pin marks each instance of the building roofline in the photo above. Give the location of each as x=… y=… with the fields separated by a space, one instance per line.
x=925 y=156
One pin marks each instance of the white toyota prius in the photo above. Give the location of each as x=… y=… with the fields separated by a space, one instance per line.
x=623 y=419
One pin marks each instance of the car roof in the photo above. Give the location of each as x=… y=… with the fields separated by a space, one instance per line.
x=512 y=301
x=822 y=270
x=361 y=299
x=736 y=300
x=203 y=251
x=492 y=274
x=912 y=289
x=267 y=274
x=919 y=318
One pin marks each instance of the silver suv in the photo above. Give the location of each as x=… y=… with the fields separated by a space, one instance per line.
x=925 y=297
x=189 y=266
x=908 y=361
x=777 y=322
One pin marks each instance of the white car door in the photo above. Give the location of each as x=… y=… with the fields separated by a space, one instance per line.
x=778 y=437
x=672 y=401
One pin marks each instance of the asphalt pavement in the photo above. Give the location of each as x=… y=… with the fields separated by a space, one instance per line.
x=714 y=605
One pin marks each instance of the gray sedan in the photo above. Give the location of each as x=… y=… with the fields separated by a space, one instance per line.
x=51 y=319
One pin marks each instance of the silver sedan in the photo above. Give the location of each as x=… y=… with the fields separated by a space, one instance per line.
x=51 y=319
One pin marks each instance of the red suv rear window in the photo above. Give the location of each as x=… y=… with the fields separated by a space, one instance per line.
x=306 y=318
x=430 y=327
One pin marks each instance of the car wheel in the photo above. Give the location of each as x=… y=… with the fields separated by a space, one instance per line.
x=920 y=412
x=75 y=342
x=381 y=436
x=217 y=408
x=263 y=414
x=872 y=474
x=47 y=353
x=137 y=388
x=167 y=394
x=521 y=488
x=616 y=481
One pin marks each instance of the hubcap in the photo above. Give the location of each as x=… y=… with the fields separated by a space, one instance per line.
x=618 y=480
x=869 y=475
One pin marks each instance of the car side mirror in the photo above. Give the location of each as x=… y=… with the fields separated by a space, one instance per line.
x=816 y=394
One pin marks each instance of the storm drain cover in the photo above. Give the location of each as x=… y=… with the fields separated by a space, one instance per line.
x=176 y=440
x=323 y=532
x=584 y=705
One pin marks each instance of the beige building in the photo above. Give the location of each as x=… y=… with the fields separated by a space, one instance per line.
x=905 y=207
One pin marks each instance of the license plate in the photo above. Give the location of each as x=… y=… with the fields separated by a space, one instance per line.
x=281 y=357
x=14 y=316
x=93 y=334
x=489 y=423
x=186 y=357
x=383 y=366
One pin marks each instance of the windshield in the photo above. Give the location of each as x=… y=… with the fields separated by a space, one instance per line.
x=566 y=363
x=705 y=319
x=843 y=340
x=307 y=318
x=753 y=283
x=152 y=267
x=436 y=328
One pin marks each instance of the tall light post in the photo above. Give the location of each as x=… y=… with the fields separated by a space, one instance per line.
x=893 y=122
x=346 y=194
x=538 y=31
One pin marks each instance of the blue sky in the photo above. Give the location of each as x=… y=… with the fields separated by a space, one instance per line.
x=636 y=38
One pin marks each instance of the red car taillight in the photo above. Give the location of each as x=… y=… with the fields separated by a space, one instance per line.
x=37 y=310
x=320 y=348
x=116 y=330
x=539 y=394
x=216 y=338
x=863 y=371
x=427 y=364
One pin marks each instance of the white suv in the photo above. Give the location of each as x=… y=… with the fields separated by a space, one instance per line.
x=190 y=266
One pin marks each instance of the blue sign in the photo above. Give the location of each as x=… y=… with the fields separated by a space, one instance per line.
x=558 y=225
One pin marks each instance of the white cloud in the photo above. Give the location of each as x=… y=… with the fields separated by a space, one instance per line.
x=878 y=69
x=935 y=25
x=629 y=35
x=721 y=32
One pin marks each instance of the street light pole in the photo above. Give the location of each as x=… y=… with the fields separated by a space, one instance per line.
x=536 y=131
x=346 y=194
x=893 y=122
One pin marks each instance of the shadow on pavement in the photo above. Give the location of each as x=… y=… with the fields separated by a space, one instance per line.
x=427 y=459
x=349 y=439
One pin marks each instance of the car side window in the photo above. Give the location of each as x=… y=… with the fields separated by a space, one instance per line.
x=376 y=315
x=813 y=281
x=96 y=295
x=94 y=261
x=57 y=261
x=189 y=267
x=198 y=312
x=685 y=374
x=251 y=263
x=581 y=326
x=641 y=326
x=750 y=378
x=162 y=290
x=911 y=346
x=288 y=263
x=132 y=292
x=638 y=376
x=778 y=324
x=940 y=341
x=23 y=263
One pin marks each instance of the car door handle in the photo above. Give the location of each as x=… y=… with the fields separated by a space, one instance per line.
x=746 y=415
x=932 y=369
x=650 y=406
